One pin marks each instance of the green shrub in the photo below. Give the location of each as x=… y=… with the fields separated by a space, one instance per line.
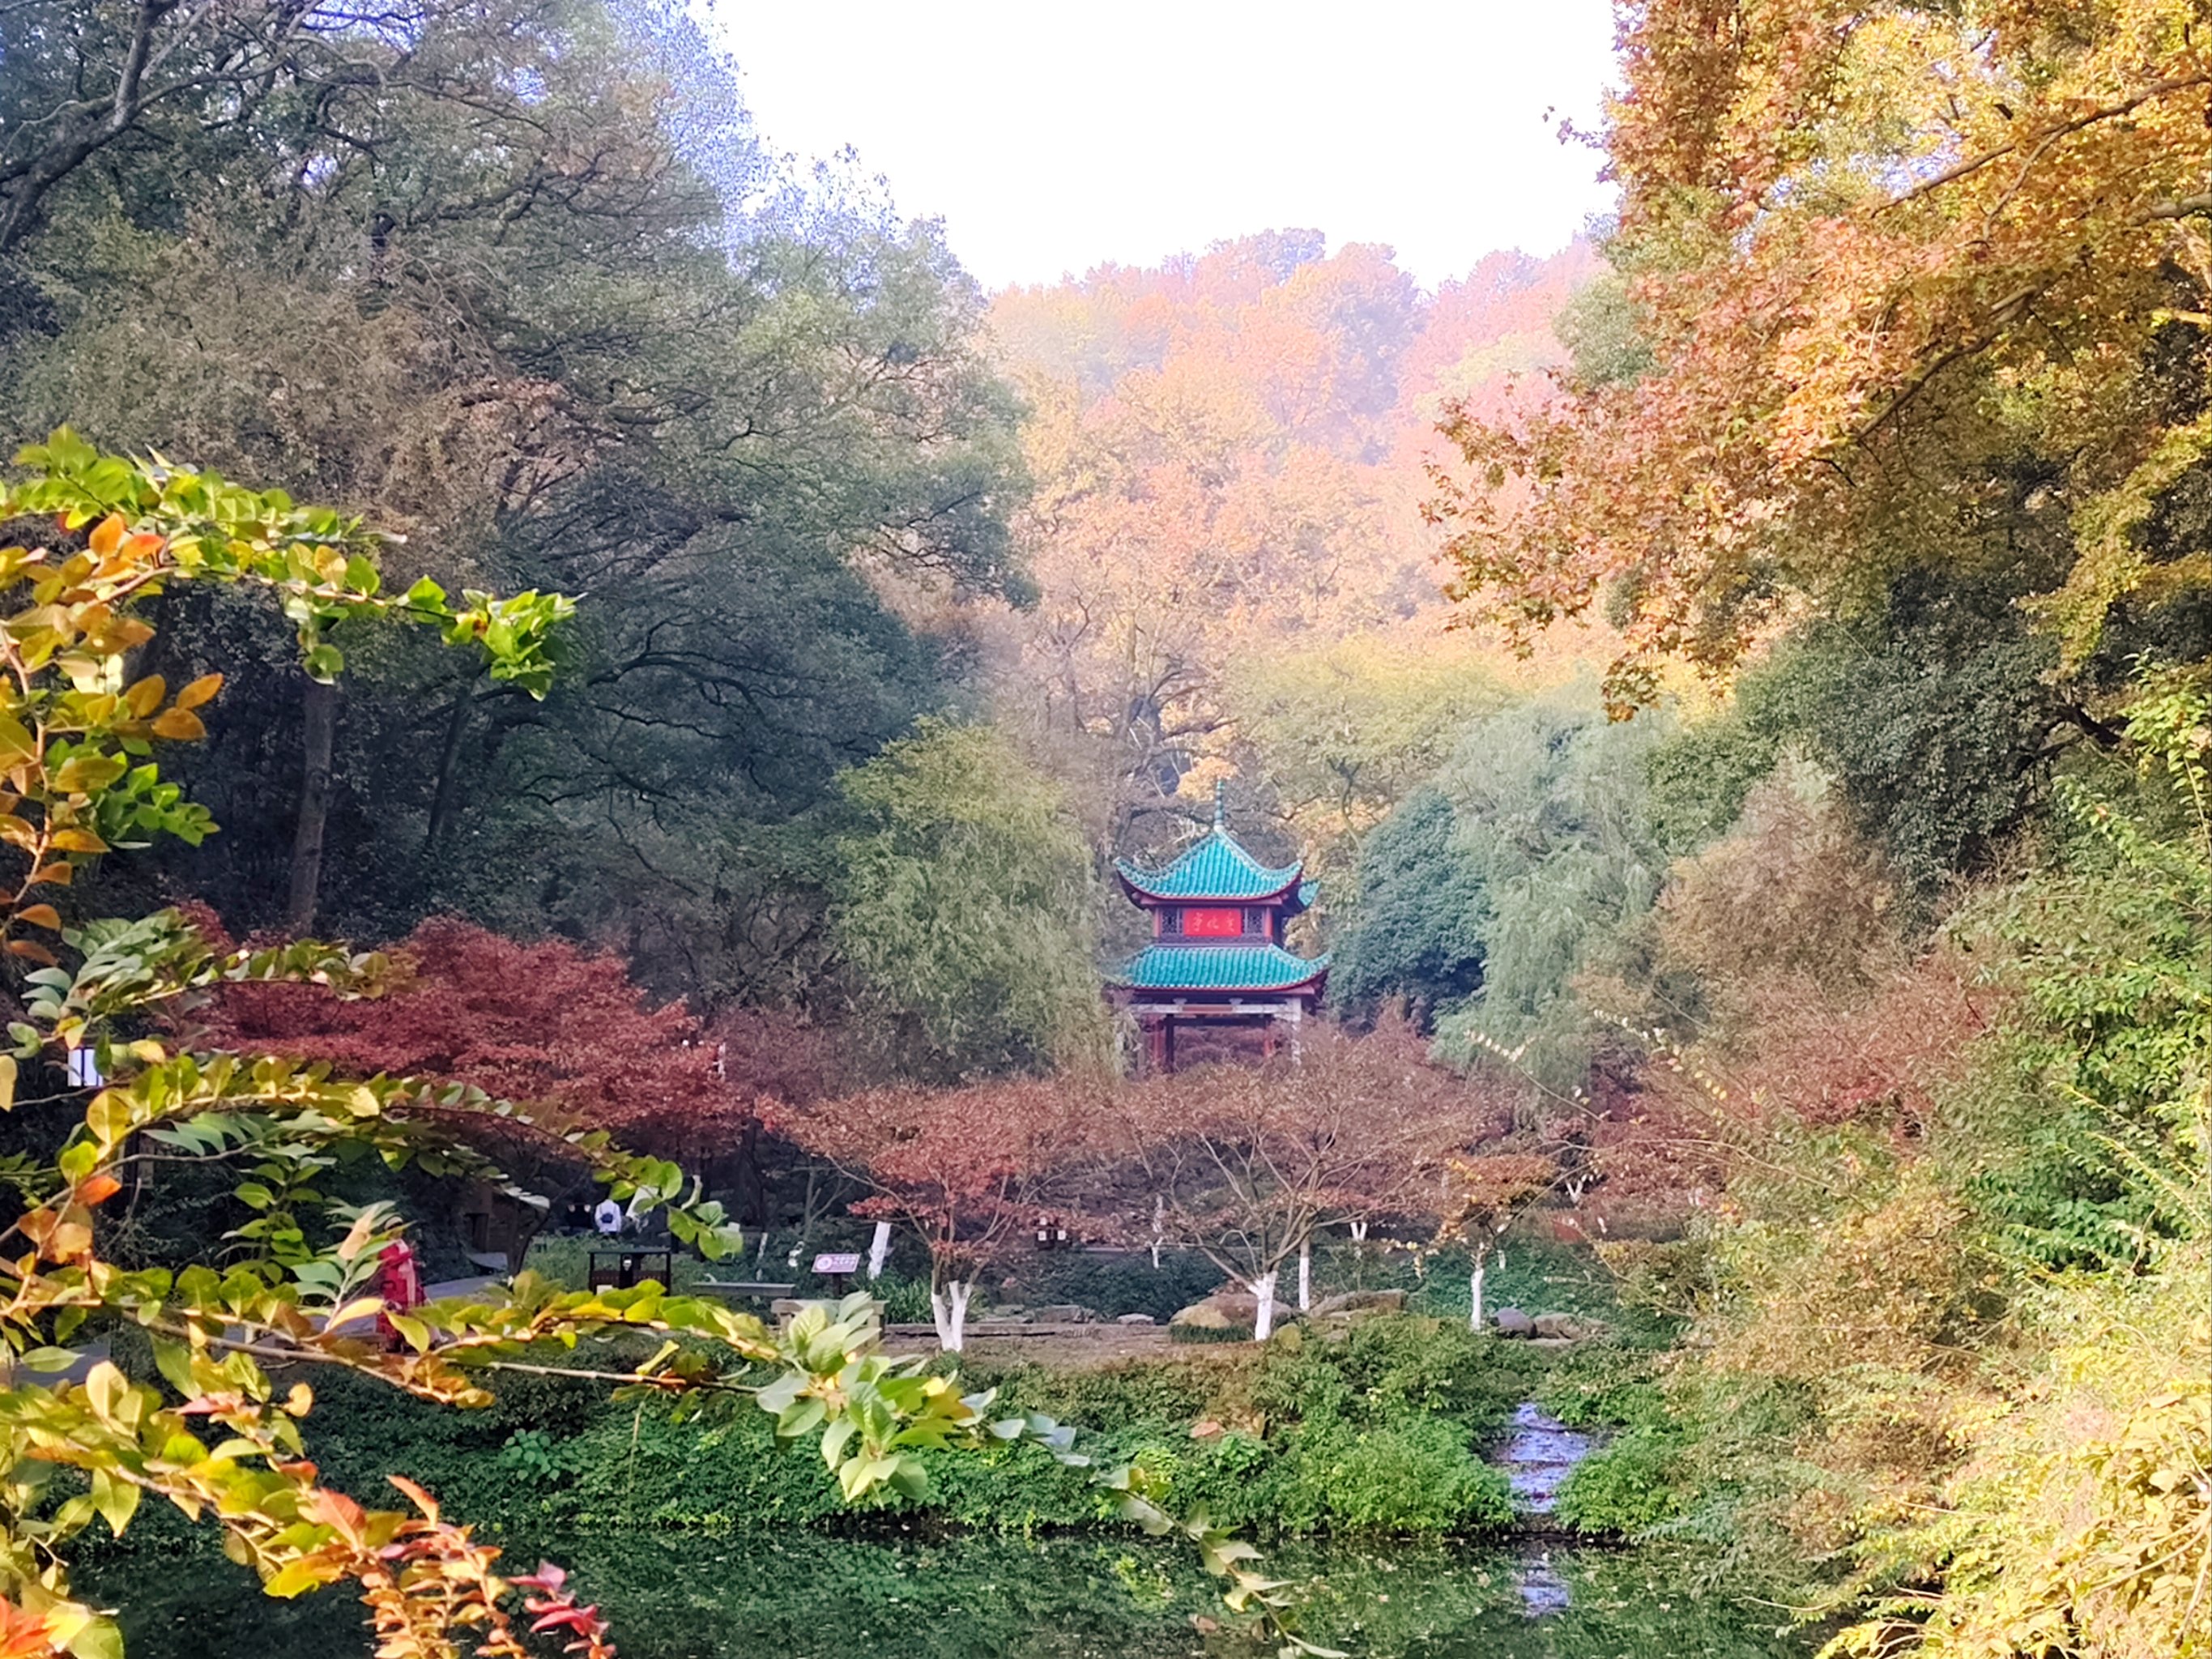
x=1598 y=1383
x=535 y=1455
x=1625 y=1487
x=906 y=1300
x=1418 y=1475
x=634 y=1466
x=1024 y=1489
x=1147 y=1393
x=558 y=1405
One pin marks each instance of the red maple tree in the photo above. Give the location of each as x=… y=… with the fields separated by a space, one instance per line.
x=547 y=1022
x=1245 y=1165
x=970 y=1169
x=1799 y=1057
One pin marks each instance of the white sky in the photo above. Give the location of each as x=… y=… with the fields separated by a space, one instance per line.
x=1052 y=138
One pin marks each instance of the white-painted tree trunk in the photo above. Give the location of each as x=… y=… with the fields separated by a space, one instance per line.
x=879 y=1249
x=1360 y=1232
x=1159 y=1227
x=1475 y=1294
x=948 y=1308
x=1263 y=1291
x=1306 y=1275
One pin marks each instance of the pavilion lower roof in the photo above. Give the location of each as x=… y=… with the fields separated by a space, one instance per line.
x=1218 y=968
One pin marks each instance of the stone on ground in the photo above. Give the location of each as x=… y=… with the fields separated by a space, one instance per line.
x=1350 y=1302
x=1223 y=1310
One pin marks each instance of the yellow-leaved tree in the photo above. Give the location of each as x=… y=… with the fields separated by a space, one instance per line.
x=1906 y=283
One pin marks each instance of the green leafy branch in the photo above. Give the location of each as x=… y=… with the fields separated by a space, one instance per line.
x=322 y=564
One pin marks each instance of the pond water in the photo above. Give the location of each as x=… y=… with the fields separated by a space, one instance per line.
x=689 y=1596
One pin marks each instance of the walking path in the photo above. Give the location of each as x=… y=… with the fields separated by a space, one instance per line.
x=1541 y=1455
x=1537 y=1460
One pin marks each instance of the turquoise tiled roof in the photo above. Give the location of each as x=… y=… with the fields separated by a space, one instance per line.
x=1216 y=967
x=1215 y=867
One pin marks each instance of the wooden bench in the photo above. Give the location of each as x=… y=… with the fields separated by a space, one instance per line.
x=625 y=1266
x=750 y=1289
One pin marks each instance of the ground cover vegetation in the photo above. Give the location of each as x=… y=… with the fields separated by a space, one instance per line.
x=1373 y=1433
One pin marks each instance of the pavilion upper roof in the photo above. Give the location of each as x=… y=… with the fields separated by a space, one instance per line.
x=1217 y=866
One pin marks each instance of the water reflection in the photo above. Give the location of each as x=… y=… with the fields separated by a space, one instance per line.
x=1542 y=1589
x=804 y=1596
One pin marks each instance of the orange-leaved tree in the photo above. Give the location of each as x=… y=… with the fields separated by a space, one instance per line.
x=1902 y=282
x=970 y=1169
x=1227 y=452
x=1245 y=1165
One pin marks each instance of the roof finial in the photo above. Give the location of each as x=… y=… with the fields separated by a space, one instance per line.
x=1220 y=803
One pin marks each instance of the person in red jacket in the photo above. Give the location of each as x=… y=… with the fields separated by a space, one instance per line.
x=399 y=1282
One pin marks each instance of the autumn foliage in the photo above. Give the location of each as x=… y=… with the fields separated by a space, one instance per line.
x=1908 y=282
x=80 y=782
x=1228 y=453
x=546 y=1022
x=1886 y=1055
x=1246 y=1164
x=969 y=1169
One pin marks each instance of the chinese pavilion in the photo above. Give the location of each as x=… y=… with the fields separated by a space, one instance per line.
x=1217 y=954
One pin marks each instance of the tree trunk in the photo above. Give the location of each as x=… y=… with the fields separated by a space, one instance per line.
x=1475 y=1295
x=948 y=1307
x=531 y=1222
x=1263 y=1291
x=879 y=1249
x=748 y=1185
x=1306 y=1275
x=320 y=707
x=441 y=802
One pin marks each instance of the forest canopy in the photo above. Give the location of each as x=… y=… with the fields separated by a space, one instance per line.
x=1912 y=287
x=522 y=278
